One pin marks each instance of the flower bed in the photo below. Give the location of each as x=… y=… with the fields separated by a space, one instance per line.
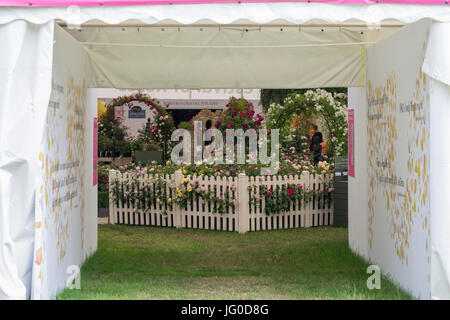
x=225 y=197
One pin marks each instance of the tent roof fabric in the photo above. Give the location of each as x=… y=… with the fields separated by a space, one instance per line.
x=228 y=13
x=225 y=57
x=65 y=3
x=228 y=45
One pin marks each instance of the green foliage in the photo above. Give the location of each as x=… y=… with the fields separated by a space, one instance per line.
x=142 y=196
x=103 y=199
x=112 y=135
x=160 y=130
x=144 y=141
x=186 y=125
x=105 y=143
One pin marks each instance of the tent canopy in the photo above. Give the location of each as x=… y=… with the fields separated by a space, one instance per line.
x=227 y=45
x=63 y=3
x=226 y=13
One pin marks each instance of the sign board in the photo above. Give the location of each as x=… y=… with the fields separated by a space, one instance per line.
x=136 y=114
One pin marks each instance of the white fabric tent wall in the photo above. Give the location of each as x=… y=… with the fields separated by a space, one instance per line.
x=90 y=191
x=357 y=185
x=437 y=66
x=25 y=77
x=398 y=147
x=440 y=189
x=66 y=210
x=435 y=245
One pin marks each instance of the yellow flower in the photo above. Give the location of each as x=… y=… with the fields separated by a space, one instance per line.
x=169 y=200
x=184 y=171
x=149 y=178
x=185 y=180
x=197 y=164
x=180 y=194
x=189 y=188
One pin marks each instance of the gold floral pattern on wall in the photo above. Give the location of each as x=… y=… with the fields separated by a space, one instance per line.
x=63 y=162
x=398 y=168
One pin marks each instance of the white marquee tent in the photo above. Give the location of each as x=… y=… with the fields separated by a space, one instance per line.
x=51 y=55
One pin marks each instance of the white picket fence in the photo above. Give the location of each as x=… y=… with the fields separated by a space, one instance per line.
x=242 y=218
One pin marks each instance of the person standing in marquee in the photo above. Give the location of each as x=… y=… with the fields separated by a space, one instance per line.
x=316 y=145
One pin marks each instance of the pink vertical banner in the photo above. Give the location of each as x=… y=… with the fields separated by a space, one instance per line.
x=351 y=143
x=95 y=181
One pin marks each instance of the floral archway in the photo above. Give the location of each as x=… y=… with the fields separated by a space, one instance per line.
x=160 y=128
x=298 y=112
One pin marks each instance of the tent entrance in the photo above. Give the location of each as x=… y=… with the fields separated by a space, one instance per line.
x=48 y=117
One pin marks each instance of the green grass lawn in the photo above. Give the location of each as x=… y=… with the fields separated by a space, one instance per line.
x=157 y=263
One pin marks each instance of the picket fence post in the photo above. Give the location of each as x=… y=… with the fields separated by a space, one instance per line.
x=111 y=176
x=243 y=203
x=178 y=177
x=307 y=184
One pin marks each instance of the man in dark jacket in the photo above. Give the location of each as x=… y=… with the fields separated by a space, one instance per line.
x=316 y=145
